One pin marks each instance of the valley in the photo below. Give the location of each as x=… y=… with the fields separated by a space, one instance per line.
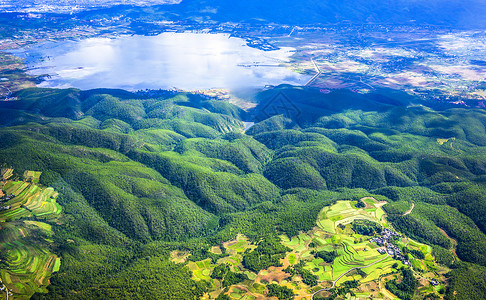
x=174 y=187
x=242 y=151
x=168 y=186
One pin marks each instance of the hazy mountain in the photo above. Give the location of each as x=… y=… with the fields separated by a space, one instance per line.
x=67 y=6
x=435 y=12
x=453 y=13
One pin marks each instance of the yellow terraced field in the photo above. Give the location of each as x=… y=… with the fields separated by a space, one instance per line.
x=32 y=176
x=6 y=173
x=327 y=225
x=353 y=251
x=30 y=263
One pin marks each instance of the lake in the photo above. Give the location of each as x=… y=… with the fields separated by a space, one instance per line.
x=187 y=61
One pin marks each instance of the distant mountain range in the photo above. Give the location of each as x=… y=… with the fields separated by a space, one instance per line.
x=453 y=13
x=68 y=6
x=469 y=13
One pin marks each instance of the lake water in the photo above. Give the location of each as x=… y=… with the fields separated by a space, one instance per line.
x=186 y=61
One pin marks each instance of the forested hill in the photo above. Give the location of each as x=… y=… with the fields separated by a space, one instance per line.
x=139 y=177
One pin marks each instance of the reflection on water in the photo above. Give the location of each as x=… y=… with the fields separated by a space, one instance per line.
x=182 y=60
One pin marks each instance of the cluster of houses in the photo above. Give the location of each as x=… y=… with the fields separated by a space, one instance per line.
x=4 y=200
x=392 y=250
x=4 y=288
x=388 y=247
x=7 y=198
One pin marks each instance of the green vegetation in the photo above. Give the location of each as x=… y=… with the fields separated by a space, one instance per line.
x=366 y=227
x=233 y=278
x=220 y=271
x=281 y=292
x=327 y=256
x=140 y=177
x=204 y=252
x=346 y=288
x=423 y=224
x=417 y=253
x=223 y=297
x=397 y=208
x=268 y=253
x=406 y=288
x=307 y=277
x=468 y=281
x=443 y=256
x=411 y=194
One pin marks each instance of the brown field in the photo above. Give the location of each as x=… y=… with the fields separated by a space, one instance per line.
x=179 y=256
x=272 y=274
x=216 y=250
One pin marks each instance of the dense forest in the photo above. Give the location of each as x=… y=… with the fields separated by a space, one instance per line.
x=366 y=227
x=141 y=176
x=406 y=288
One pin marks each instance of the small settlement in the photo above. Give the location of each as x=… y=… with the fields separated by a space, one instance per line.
x=388 y=246
x=5 y=199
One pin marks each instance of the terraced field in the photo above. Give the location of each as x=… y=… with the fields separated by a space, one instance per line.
x=202 y=270
x=5 y=174
x=30 y=200
x=32 y=176
x=342 y=213
x=25 y=243
x=29 y=265
x=372 y=273
x=357 y=258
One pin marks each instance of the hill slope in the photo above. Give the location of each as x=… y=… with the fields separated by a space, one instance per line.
x=139 y=177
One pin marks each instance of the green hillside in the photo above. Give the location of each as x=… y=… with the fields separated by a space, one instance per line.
x=141 y=177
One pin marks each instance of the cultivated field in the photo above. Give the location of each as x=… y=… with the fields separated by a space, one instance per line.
x=410 y=62
x=27 y=260
x=356 y=258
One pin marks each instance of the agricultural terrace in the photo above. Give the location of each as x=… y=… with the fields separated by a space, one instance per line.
x=30 y=200
x=27 y=263
x=344 y=212
x=356 y=258
x=32 y=176
x=5 y=174
x=202 y=270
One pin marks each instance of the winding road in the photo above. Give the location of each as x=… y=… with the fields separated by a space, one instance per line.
x=410 y=210
x=334 y=282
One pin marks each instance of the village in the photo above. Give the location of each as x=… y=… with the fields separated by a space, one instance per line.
x=385 y=240
x=5 y=199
